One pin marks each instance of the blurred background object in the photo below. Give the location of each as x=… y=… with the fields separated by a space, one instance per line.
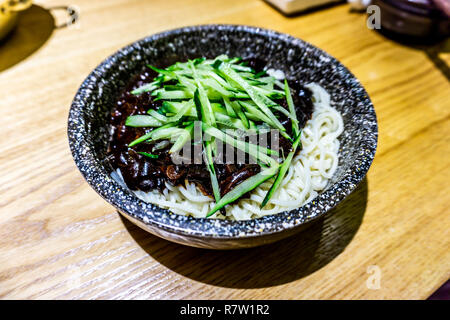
x=411 y=18
x=289 y=7
x=359 y=4
x=443 y=293
x=415 y=18
x=24 y=32
x=444 y=5
x=9 y=10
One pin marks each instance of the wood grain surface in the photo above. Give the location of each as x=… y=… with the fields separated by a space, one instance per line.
x=59 y=239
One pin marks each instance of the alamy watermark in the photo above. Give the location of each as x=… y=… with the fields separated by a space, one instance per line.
x=373 y=282
x=230 y=146
x=374 y=19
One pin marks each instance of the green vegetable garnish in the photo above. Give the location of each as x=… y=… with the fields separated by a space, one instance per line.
x=291 y=106
x=263 y=102
x=142 y=121
x=153 y=156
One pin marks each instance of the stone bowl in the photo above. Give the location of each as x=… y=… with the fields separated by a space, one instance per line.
x=88 y=129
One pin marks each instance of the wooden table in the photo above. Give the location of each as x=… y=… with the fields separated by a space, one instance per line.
x=59 y=239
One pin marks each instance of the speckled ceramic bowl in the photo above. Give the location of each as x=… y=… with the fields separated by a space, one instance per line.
x=88 y=129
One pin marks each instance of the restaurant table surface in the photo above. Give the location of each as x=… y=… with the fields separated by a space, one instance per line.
x=60 y=240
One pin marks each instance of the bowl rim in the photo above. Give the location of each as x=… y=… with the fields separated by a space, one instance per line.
x=154 y=216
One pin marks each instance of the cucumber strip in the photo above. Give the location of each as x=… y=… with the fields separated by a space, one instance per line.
x=151 y=133
x=263 y=81
x=255 y=114
x=242 y=134
x=251 y=117
x=173 y=95
x=184 y=109
x=166 y=133
x=185 y=106
x=260 y=74
x=162 y=78
x=252 y=149
x=248 y=75
x=198 y=60
x=176 y=106
x=212 y=171
x=222 y=57
x=240 y=113
x=158 y=116
x=170 y=106
x=244 y=187
x=241 y=68
x=229 y=108
x=279 y=84
x=283 y=169
x=212 y=95
x=176 y=66
x=142 y=121
x=160 y=145
x=218 y=108
x=268 y=86
x=174 y=87
x=254 y=82
x=253 y=110
x=201 y=99
x=291 y=106
x=238 y=133
x=182 y=139
x=149 y=155
x=191 y=112
x=260 y=100
x=146 y=88
x=268 y=79
x=164 y=72
x=210 y=73
x=229 y=121
x=181 y=72
x=188 y=83
x=233 y=60
x=211 y=83
x=272 y=94
x=201 y=112
x=283 y=111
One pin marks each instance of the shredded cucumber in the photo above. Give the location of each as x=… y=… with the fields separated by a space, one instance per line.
x=142 y=121
x=149 y=155
x=260 y=100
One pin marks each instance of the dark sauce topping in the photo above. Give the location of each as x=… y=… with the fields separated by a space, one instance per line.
x=142 y=173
